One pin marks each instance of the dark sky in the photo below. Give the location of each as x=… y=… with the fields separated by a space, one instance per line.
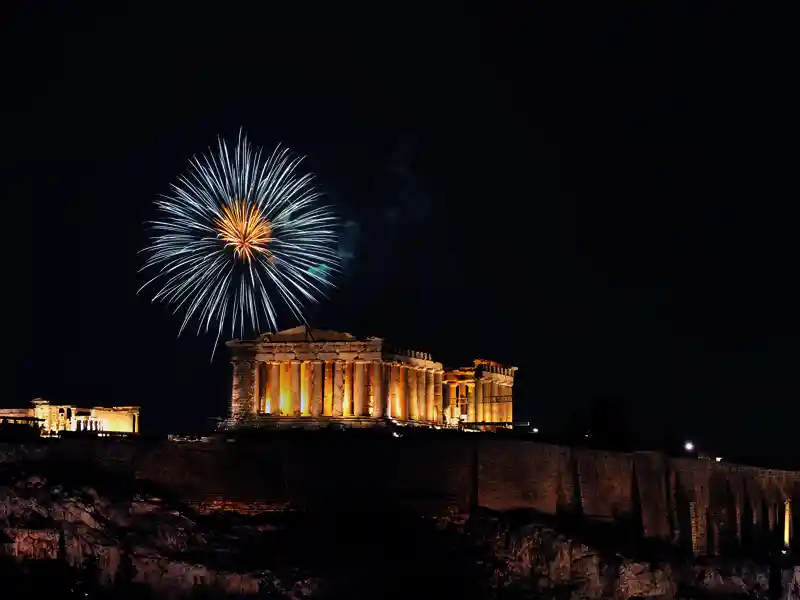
x=603 y=196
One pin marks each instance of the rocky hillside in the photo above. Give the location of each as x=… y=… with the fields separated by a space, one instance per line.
x=125 y=534
x=124 y=530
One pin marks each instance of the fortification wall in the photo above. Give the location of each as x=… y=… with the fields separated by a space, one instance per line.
x=700 y=504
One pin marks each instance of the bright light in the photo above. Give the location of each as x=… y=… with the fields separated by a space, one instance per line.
x=535 y=430
x=395 y=434
x=718 y=459
x=689 y=446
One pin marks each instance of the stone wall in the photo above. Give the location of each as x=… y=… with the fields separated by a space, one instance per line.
x=698 y=504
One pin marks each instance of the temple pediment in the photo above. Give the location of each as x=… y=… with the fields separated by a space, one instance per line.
x=303 y=333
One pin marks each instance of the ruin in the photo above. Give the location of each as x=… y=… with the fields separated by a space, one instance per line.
x=311 y=378
x=55 y=418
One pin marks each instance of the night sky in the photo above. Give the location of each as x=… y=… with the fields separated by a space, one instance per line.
x=599 y=195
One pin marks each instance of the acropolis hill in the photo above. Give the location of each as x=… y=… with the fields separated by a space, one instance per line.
x=701 y=506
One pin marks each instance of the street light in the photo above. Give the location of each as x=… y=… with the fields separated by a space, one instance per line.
x=688 y=446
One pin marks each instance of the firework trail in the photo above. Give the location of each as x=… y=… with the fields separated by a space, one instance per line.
x=238 y=233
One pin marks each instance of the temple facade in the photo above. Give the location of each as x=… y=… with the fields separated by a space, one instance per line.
x=54 y=418
x=310 y=377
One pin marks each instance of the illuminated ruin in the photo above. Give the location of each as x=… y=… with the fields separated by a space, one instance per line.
x=55 y=418
x=310 y=377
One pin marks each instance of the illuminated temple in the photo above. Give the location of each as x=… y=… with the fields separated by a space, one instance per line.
x=55 y=418
x=310 y=377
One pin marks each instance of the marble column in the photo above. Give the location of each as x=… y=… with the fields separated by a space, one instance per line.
x=479 y=401
x=379 y=399
x=471 y=412
x=402 y=392
x=421 y=397
x=317 y=383
x=327 y=409
x=369 y=390
x=305 y=388
x=359 y=387
x=286 y=388
x=338 y=388
x=429 y=396
x=274 y=384
x=450 y=411
x=256 y=387
x=437 y=395
x=394 y=400
x=347 y=396
x=241 y=401
x=495 y=402
x=500 y=403
x=787 y=523
x=413 y=399
x=294 y=392
x=462 y=398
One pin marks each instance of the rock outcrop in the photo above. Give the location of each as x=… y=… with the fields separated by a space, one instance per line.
x=534 y=560
x=162 y=542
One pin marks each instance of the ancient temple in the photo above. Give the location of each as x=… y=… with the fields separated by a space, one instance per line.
x=52 y=419
x=311 y=377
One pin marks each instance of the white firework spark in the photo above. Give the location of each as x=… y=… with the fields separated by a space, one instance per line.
x=235 y=234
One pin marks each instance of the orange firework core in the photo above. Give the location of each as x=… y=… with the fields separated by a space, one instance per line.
x=243 y=227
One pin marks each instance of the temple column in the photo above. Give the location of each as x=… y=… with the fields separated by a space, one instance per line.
x=787 y=523
x=450 y=411
x=471 y=402
x=317 y=383
x=338 y=388
x=402 y=392
x=495 y=403
x=437 y=395
x=378 y=394
x=347 y=396
x=413 y=399
x=256 y=387
x=509 y=411
x=421 y=398
x=369 y=389
x=294 y=391
x=285 y=408
x=479 y=401
x=394 y=401
x=327 y=403
x=241 y=405
x=274 y=382
x=305 y=388
x=359 y=388
x=430 y=400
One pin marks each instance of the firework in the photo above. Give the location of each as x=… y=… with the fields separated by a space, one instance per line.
x=237 y=233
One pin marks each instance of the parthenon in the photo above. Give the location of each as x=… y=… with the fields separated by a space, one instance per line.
x=311 y=377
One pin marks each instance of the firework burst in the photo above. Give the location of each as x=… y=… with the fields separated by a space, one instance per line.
x=238 y=233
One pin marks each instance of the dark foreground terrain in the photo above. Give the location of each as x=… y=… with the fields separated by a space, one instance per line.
x=71 y=529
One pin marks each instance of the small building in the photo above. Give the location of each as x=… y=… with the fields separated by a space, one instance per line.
x=54 y=418
x=311 y=377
